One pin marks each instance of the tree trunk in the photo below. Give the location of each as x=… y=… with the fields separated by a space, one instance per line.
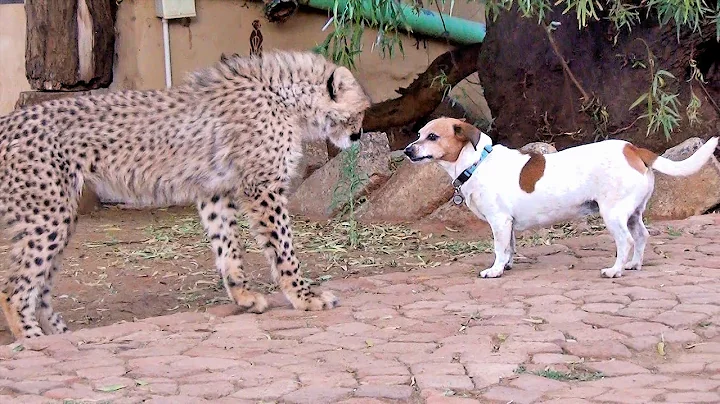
x=70 y=44
x=534 y=98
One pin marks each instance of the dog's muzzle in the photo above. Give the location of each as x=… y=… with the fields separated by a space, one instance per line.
x=410 y=153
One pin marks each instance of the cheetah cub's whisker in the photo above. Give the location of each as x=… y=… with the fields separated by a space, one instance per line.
x=228 y=138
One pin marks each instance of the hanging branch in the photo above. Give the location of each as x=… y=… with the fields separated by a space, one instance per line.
x=423 y=95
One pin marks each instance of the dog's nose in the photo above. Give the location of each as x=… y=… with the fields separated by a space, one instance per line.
x=408 y=151
x=355 y=136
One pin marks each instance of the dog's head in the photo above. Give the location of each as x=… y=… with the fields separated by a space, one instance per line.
x=442 y=139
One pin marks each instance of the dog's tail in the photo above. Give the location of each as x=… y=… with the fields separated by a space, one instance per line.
x=682 y=168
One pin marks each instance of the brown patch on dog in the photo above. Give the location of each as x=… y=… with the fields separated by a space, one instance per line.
x=532 y=171
x=453 y=135
x=452 y=147
x=461 y=133
x=468 y=133
x=639 y=159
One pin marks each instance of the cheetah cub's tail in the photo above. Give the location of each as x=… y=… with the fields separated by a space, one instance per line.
x=690 y=165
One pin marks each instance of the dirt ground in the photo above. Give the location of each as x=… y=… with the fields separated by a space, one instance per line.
x=134 y=264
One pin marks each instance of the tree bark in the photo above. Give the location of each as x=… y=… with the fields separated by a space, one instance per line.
x=70 y=44
x=426 y=92
x=533 y=98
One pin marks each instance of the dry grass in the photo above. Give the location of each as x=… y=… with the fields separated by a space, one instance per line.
x=379 y=245
x=174 y=250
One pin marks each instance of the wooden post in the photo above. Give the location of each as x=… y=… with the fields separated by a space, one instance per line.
x=70 y=44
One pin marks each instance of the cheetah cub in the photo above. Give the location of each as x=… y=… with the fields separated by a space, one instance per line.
x=228 y=138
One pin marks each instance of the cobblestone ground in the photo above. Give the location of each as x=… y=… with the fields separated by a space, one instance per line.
x=549 y=331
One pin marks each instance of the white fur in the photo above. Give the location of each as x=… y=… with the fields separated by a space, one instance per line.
x=572 y=180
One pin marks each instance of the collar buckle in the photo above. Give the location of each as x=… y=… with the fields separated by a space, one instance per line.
x=458 y=198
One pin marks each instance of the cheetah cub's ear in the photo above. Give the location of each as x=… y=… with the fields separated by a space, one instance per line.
x=336 y=82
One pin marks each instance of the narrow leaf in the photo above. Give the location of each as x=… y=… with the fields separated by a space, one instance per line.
x=638 y=101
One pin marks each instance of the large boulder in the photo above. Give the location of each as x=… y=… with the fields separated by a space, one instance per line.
x=315 y=155
x=538 y=147
x=414 y=191
x=313 y=198
x=682 y=197
x=456 y=217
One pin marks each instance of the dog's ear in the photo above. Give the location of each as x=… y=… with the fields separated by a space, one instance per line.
x=336 y=81
x=467 y=133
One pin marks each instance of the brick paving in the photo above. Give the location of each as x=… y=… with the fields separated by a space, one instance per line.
x=549 y=331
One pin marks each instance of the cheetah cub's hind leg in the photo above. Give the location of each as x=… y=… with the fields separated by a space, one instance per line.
x=40 y=233
x=270 y=224
x=51 y=321
x=219 y=217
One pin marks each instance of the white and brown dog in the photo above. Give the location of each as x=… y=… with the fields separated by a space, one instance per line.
x=515 y=191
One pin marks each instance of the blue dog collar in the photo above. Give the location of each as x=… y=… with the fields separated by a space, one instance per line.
x=466 y=174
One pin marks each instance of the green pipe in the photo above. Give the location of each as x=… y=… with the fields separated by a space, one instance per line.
x=426 y=22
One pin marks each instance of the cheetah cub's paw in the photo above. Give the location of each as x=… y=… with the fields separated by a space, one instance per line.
x=253 y=302
x=325 y=301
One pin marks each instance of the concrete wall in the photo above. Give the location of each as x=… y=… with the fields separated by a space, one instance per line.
x=12 y=55
x=220 y=26
x=225 y=26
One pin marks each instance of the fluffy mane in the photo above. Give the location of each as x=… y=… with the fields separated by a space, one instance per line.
x=275 y=68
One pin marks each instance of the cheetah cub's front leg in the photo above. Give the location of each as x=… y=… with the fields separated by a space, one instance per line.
x=219 y=218
x=270 y=224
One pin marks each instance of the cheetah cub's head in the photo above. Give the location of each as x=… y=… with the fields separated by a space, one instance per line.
x=341 y=113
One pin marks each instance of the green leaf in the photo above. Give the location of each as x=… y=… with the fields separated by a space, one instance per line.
x=112 y=387
x=661 y=348
x=638 y=101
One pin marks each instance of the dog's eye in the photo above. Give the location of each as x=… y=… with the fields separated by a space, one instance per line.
x=432 y=137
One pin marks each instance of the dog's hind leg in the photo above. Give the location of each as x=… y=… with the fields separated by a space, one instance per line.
x=509 y=264
x=639 y=233
x=502 y=228
x=616 y=220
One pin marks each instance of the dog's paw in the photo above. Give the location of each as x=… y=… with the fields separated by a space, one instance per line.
x=632 y=266
x=490 y=273
x=611 y=272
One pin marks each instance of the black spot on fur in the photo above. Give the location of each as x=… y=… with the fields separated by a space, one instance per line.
x=331 y=87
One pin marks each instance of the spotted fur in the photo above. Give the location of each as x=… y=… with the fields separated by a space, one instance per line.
x=228 y=138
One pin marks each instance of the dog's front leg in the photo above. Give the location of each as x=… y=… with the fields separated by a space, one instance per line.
x=502 y=228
